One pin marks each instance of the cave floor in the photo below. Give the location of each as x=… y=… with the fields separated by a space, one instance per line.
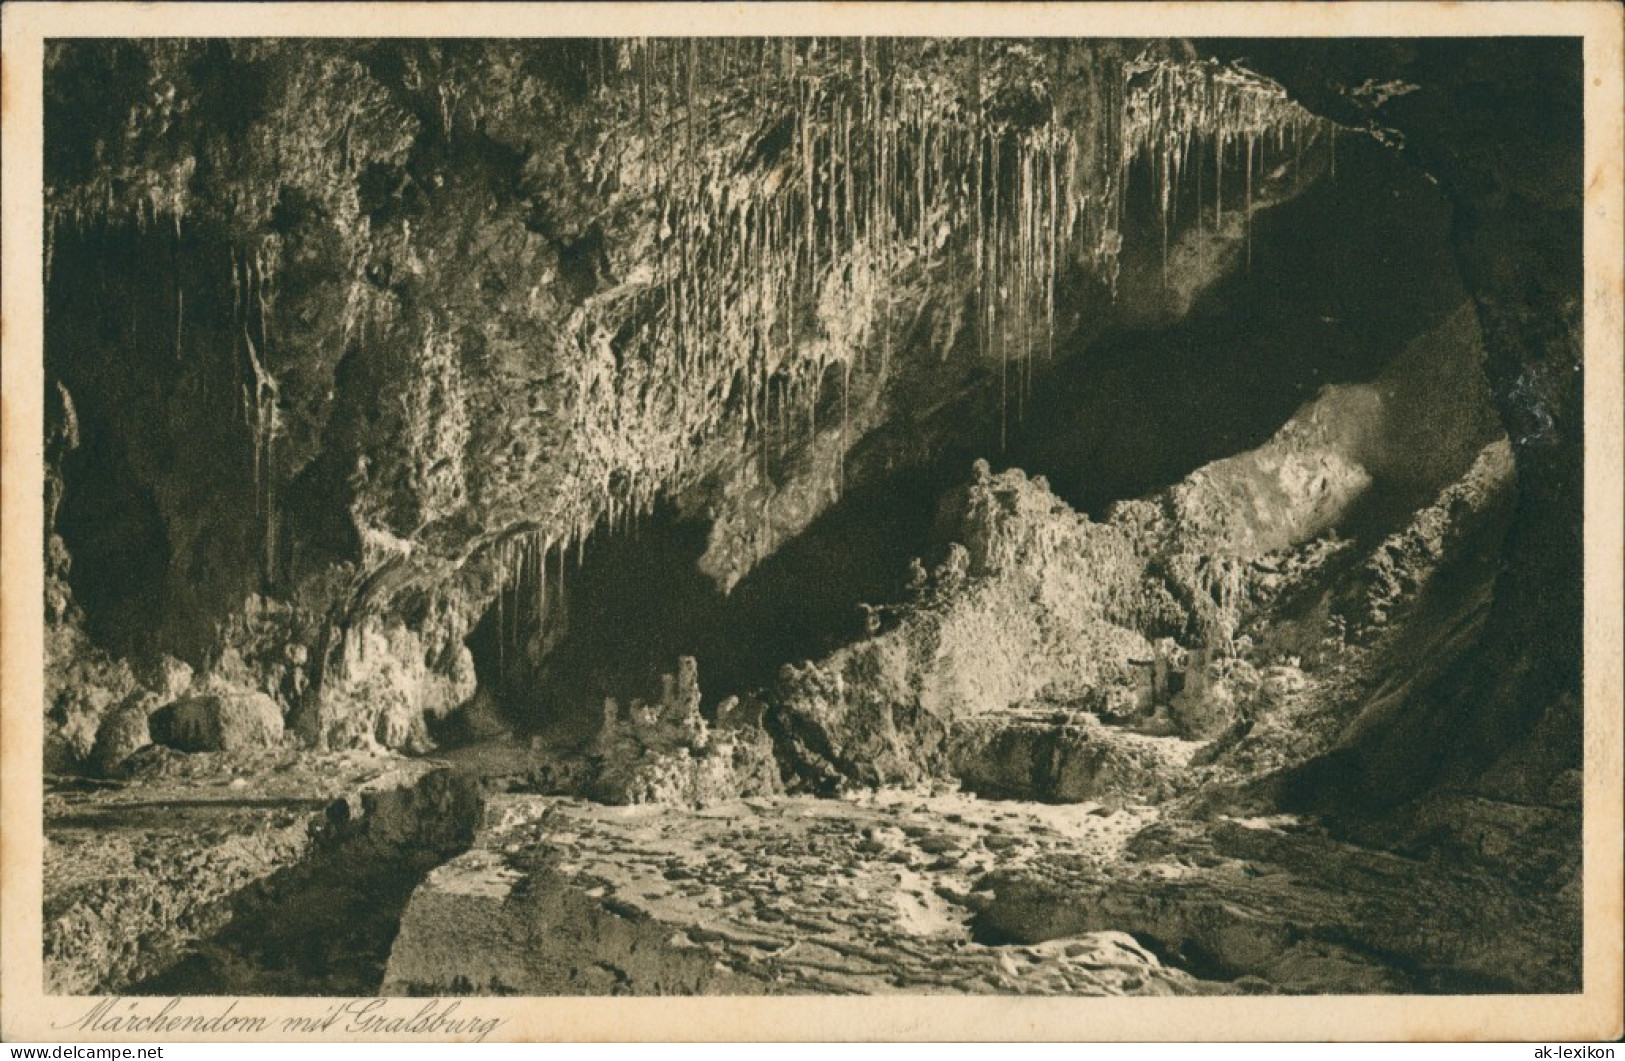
x=868 y=894
x=367 y=873
x=137 y=872
x=937 y=891
x=211 y=874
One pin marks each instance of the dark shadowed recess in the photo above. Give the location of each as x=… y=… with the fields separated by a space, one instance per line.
x=163 y=405
x=1498 y=123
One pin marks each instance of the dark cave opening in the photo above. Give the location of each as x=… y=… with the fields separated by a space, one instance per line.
x=126 y=424
x=178 y=498
x=636 y=601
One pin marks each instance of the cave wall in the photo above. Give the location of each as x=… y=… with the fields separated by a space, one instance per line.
x=356 y=341
x=354 y=328
x=1498 y=125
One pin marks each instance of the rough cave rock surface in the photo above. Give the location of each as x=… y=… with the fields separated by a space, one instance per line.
x=606 y=517
x=303 y=445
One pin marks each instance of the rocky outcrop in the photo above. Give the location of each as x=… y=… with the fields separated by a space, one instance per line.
x=386 y=684
x=228 y=723
x=1078 y=760
x=1277 y=903
x=124 y=731
x=82 y=683
x=1188 y=613
x=1502 y=137
x=142 y=875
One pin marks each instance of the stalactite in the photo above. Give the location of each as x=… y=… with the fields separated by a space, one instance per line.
x=258 y=392
x=1248 y=217
x=52 y=219
x=771 y=266
x=1053 y=265
x=236 y=330
x=1169 y=108
x=846 y=390
x=501 y=633
x=995 y=284
x=1199 y=163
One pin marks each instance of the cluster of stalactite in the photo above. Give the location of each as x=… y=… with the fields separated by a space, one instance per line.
x=252 y=279
x=802 y=190
x=778 y=210
x=798 y=190
x=530 y=600
x=1178 y=116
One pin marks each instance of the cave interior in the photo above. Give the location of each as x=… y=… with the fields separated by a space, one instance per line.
x=1170 y=434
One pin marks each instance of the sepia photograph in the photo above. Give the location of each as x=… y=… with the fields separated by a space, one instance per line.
x=940 y=512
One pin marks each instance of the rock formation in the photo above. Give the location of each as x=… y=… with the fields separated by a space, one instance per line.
x=453 y=437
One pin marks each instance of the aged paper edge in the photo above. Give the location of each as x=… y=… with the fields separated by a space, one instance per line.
x=27 y=1014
